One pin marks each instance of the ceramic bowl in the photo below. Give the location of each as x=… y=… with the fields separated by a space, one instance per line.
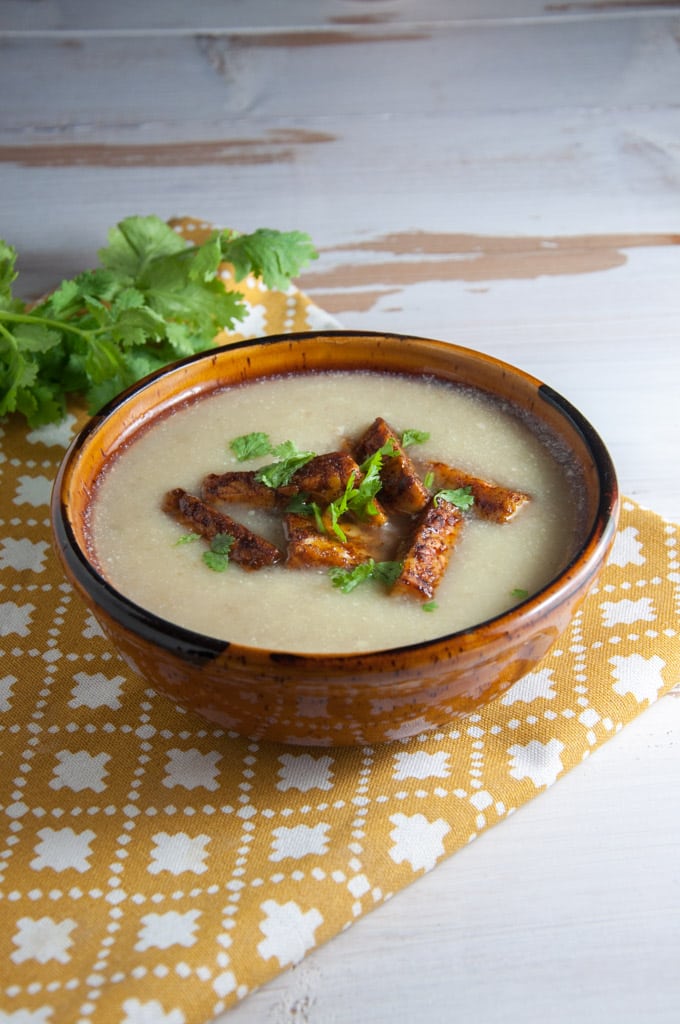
x=332 y=699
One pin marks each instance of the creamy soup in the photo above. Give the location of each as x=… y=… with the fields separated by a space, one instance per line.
x=140 y=549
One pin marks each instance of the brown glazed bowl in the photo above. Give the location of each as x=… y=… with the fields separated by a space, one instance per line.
x=332 y=699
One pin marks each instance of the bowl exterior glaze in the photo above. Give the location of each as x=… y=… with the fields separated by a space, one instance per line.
x=341 y=699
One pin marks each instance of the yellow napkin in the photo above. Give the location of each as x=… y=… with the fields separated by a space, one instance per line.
x=155 y=868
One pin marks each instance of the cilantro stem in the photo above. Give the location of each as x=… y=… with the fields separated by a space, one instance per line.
x=7 y=334
x=32 y=318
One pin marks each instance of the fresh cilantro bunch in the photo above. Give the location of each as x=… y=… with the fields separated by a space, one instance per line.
x=154 y=299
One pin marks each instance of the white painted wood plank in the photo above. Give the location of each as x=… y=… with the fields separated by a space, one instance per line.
x=177 y=15
x=221 y=86
x=471 y=176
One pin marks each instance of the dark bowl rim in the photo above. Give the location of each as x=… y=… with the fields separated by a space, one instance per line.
x=172 y=636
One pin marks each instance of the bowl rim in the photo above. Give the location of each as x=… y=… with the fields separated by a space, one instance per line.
x=173 y=636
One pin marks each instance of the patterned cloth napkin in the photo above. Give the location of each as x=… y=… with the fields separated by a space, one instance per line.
x=155 y=870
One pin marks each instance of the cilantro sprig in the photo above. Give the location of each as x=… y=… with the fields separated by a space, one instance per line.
x=154 y=298
x=217 y=555
x=289 y=458
x=360 y=499
x=251 y=446
x=347 y=579
x=461 y=497
x=413 y=436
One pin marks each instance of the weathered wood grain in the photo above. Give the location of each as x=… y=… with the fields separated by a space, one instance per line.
x=177 y=16
x=75 y=88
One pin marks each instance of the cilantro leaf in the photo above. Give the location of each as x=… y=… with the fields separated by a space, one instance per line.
x=8 y=274
x=215 y=561
x=362 y=502
x=134 y=243
x=286 y=450
x=251 y=446
x=222 y=543
x=337 y=508
x=412 y=436
x=289 y=459
x=217 y=557
x=207 y=259
x=20 y=389
x=300 y=504
x=19 y=374
x=461 y=497
x=387 y=572
x=347 y=580
x=274 y=256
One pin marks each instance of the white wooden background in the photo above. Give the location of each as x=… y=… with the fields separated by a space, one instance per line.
x=501 y=174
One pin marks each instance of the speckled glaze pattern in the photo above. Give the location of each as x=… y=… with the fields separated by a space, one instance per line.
x=341 y=699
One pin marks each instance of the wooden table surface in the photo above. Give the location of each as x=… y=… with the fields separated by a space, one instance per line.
x=500 y=173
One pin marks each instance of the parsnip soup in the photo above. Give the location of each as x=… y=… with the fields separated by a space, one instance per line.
x=465 y=452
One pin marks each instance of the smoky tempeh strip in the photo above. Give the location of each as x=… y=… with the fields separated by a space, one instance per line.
x=240 y=487
x=307 y=547
x=492 y=501
x=325 y=477
x=429 y=550
x=249 y=550
x=402 y=487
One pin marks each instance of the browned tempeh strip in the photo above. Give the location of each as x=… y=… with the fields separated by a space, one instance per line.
x=429 y=550
x=325 y=477
x=402 y=487
x=499 y=504
x=240 y=487
x=249 y=550
x=307 y=547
